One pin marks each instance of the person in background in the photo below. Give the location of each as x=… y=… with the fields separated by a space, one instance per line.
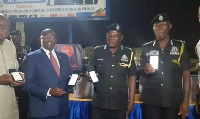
x=197 y=68
x=8 y=59
x=22 y=96
x=164 y=95
x=197 y=106
x=47 y=75
x=114 y=93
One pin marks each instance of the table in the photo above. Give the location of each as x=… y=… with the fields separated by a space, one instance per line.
x=82 y=109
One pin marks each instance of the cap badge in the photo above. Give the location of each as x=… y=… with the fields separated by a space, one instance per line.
x=160 y=18
x=117 y=27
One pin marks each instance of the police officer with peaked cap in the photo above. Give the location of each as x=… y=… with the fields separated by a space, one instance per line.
x=22 y=96
x=21 y=50
x=164 y=96
x=115 y=66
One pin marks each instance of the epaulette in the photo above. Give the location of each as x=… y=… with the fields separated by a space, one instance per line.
x=178 y=40
x=26 y=46
x=148 y=43
x=99 y=46
x=128 y=48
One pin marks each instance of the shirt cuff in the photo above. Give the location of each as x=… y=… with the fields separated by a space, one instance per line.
x=48 y=95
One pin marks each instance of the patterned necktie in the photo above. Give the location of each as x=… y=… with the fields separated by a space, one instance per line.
x=54 y=63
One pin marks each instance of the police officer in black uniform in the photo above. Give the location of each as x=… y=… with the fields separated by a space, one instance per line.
x=116 y=71
x=22 y=96
x=163 y=95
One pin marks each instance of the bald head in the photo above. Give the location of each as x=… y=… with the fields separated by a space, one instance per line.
x=4 y=28
x=45 y=31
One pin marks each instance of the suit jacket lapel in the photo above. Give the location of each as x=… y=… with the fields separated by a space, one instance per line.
x=47 y=61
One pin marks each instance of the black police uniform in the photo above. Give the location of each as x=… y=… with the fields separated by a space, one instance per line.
x=164 y=87
x=111 y=92
x=21 y=52
x=22 y=96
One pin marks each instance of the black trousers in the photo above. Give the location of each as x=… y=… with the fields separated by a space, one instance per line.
x=156 y=112
x=196 y=115
x=23 y=102
x=98 y=113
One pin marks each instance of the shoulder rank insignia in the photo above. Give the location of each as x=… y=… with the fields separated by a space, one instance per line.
x=179 y=40
x=148 y=43
x=99 y=46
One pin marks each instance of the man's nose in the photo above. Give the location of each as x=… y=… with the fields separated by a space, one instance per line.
x=3 y=30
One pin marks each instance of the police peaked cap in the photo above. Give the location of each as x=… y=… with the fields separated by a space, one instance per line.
x=114 y=27
x=15 y=32
x=162 y=17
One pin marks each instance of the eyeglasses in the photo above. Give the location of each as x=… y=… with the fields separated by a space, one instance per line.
x=48 y=37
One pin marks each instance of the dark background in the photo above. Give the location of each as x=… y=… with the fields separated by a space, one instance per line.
x=135 y=16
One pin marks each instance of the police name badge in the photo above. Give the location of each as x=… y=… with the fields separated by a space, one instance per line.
x=154 y=59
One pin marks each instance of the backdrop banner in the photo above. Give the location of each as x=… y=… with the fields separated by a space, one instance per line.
x=74 y=52
x=34 y=9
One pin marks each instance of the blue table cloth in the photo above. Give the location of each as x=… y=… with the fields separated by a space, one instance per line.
x=80 y=109
x=83 y=110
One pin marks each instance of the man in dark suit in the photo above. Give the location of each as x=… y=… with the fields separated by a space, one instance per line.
x=47 y=74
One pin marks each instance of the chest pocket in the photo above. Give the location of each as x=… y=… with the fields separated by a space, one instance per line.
x=177 y=60
x=124 y=65
x=100 y=65
x=127 y=63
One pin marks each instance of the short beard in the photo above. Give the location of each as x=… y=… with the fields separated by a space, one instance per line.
x=111 y=46
x=161 y=39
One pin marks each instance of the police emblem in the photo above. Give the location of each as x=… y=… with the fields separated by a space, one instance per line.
x=117 y=27
x=174 y=51
x=124 y=58
x=160 y=18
